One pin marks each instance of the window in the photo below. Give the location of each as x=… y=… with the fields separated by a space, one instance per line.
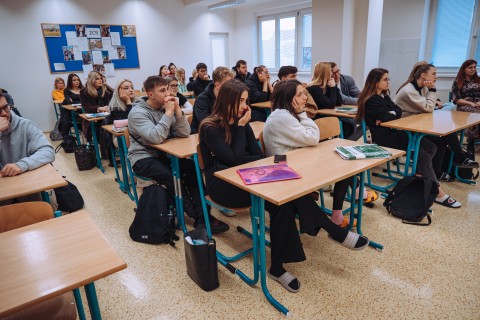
x=286 y=39
x=219 y=47
x=453 y=32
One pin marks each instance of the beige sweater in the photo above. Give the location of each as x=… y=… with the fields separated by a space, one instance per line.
x=411 y=102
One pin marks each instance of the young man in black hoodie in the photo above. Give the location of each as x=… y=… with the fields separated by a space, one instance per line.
x=203 y=105
x=241 y=71
x=202 y=80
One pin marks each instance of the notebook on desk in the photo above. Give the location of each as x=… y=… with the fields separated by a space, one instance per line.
x=76 y=105
x=349 y=110
x=362 y=152
x=96 y=115
x=271 y=173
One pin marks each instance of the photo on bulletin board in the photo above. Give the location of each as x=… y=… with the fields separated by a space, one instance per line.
x=129 y=31
x=51 y=30
x=85 y=47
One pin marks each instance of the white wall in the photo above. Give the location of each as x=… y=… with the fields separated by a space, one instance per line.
x=162 y=37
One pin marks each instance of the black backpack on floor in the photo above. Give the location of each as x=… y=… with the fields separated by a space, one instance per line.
x=154 y=220
x=69 y=198
x=68 y=144
x=411 y=198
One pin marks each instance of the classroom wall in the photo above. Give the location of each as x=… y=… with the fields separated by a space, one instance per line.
x=162 y=37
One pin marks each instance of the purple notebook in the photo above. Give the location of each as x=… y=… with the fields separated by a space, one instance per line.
x=275 y=172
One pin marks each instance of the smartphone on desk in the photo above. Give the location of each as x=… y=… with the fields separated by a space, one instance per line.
x=280 y=158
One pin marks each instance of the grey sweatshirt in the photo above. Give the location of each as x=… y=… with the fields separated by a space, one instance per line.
x=25 y=145
x=149 y=126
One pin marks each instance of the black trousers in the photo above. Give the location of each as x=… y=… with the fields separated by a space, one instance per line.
x=159 y=169
x=286 y=245
x=442 y=143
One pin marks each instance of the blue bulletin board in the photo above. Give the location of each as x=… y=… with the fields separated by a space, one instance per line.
x=70 y=47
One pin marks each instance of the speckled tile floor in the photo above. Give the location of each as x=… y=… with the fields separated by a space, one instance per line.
x=424 y=272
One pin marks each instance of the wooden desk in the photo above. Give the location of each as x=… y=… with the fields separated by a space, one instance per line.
x=123 y=181
x=439 y=123
x=29 y=182
x=95 y=138
x=266 y=105
x=47 y=259
x=257 y=127
x=334 y=113
x=72 y=110
x=179 y=148
x=306 y=162
x=188 y=93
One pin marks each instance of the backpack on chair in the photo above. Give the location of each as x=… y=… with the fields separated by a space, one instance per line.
x=154 y=220
x=411 y=198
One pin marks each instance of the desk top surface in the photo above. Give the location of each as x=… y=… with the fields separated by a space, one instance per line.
x=334 y=113
x=439 y=123
x=71 y=107
x=318 y=166
x=84 y=116
x=187 y=93
x=29 y=182
x=266 y=104
x=108 y=128
x=46 y=259
x=179 y=147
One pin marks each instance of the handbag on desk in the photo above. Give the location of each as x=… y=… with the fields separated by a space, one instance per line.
x=201 y=259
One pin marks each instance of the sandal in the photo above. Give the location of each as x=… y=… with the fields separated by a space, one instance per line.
x=346 y=222
x=449 y=203
x=285 y=279
x=352 y=241
x=371 y=196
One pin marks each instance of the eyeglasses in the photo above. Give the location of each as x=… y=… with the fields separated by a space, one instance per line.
x=6 y=108
x=174 y=85
x=336 y=72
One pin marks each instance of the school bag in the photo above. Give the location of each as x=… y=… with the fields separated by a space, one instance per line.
x=411 y=198
x=154 y=221
x=464 y=173
x=68 y=144
x=69 y=198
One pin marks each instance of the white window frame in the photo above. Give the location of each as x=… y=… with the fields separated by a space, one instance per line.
x=474 y=38
x=298 y=14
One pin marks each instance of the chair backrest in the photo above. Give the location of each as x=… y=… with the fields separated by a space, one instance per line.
x=19 y=215
x=139 y=93
x=262 y=143
x=200 y=158
x=329 y=127
x=189 y=119
x=126 y=134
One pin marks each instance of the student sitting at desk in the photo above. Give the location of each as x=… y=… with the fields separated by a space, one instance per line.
x=241 y=71
x=203 y=105
x=288 y=128
x=72 y=95
x=420 y=96
x=375 y=105
x=172 y=69
x=180 y=75
x=259 y=90
x=163 y=71
x=58 y=86
x=192 y=79
x=95 y=97
x=173 y=85
x=202 y=80
x=23 y=146
x=152 y=122
x=466 y=94
x=347 y=86
x=227 y=140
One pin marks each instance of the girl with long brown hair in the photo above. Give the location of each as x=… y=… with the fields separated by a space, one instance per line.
x=376 y=107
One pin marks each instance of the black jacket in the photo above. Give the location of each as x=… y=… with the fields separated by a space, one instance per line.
x=202 y=107
x=255 y=87
x=239 y=76
x=199 y=86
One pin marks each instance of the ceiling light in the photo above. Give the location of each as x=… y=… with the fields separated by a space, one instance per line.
x=226 y=4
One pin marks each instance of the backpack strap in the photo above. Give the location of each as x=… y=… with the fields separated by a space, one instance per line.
x=418 y=223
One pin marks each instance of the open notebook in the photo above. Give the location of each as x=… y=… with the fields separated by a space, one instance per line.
x=271 y=173
x=362 y=152
x=96 y=115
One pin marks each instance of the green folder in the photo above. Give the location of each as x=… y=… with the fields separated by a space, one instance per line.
x=362 y=152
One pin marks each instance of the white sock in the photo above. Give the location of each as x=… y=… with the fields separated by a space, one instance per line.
x=454 y=205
